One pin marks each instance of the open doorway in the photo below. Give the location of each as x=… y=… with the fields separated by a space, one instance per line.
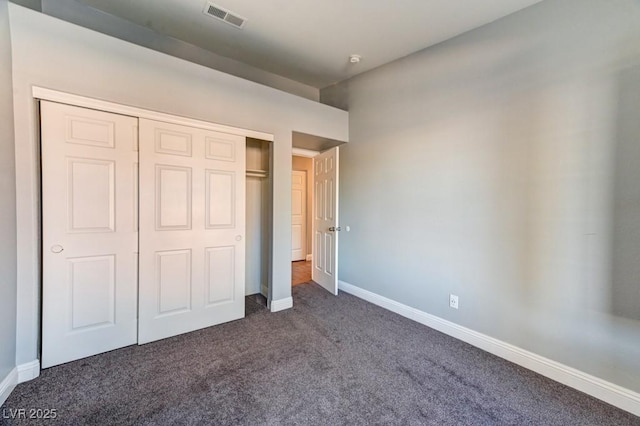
x=301 y=219
x=321 y=158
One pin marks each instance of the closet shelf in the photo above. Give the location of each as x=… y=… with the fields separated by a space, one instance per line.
x=257 y=173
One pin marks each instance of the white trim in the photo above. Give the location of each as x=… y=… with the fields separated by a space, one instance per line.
x=301 y=152
x=309 y=257
x=82 y=101
x=613 y=394
x=28 y=371
x=8 y=384
x=281 y=304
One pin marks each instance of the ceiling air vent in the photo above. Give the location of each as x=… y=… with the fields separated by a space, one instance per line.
x=224 y=15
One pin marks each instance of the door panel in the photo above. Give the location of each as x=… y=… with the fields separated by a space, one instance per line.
x=91 y=186
x=220 y=199
x=92 y=288
x=220 y=274
x=173 y=197
x=192 y=210
x=298 y=215
x=89 y=222
x=173 y=281
x=325 y=254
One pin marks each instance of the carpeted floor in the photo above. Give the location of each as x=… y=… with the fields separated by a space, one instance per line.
x=328 y=361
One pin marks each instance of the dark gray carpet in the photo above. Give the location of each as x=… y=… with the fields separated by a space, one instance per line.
x=328 y=361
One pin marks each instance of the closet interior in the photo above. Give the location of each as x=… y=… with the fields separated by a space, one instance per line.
x=258 y=217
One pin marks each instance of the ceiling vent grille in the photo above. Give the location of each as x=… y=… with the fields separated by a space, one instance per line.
x=222 y=14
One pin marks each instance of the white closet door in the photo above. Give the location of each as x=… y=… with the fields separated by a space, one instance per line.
x=89 y=220
x=325 y=220
x=192 y=229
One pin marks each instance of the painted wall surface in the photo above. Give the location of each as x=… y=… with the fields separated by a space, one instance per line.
x=7 y=204
x=306 y=164
x=88 y=17
x=54 y=54
x=504 y=166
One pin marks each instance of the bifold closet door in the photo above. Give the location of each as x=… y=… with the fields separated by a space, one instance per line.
x=89 y=235
x=192 y=229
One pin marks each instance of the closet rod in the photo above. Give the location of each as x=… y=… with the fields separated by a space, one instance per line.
x=257 y=173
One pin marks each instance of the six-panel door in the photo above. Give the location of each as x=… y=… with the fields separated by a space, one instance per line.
x=89 y=220
x=325 y=220
x=192 y=226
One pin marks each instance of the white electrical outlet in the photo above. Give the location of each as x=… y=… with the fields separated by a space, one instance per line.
x=453 y=301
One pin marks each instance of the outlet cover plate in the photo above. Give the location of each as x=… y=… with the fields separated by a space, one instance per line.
x=453 y=301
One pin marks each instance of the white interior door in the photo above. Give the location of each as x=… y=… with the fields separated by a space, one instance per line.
x=298 y=215
x=89 y=231
x=325 y=220
x=192 y=229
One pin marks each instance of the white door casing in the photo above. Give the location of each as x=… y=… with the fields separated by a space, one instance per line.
x=298 y=215
x=325 y=220
x=89 y=231
x=192 y=229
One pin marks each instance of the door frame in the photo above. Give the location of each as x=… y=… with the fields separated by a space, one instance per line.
x=29 y=261
x=309 y=153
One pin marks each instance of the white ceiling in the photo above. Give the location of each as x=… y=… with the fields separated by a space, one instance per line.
x=310 y=40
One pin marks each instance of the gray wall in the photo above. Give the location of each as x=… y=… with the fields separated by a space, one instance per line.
x=86 y=16
x=504 y=166
x=7 y=205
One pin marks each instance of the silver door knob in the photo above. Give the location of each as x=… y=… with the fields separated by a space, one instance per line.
x=57 y=249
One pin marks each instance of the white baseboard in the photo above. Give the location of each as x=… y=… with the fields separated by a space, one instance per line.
x=8 y=384
x=281 y=304
x=28 y=371
x=613 y=394
x=309 y=257
x=19 y=374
